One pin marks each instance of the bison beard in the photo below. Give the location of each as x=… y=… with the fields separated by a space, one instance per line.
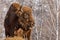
x=18 y=17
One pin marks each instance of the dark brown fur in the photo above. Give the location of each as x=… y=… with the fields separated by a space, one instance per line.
x=10 y=22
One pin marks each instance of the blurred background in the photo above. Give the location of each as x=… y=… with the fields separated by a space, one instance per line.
x=46 y=14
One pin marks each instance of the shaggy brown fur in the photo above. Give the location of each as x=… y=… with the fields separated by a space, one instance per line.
x=26 y=21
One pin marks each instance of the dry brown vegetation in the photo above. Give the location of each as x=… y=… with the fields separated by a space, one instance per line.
x=14 y=38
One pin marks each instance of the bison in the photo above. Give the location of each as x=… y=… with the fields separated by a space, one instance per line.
x=19 y=17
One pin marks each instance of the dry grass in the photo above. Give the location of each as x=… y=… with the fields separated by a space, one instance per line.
x=14 y=38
